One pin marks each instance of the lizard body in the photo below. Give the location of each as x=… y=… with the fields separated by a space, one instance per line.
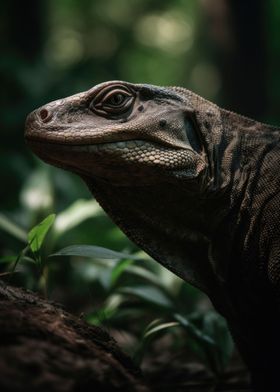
x=194 y=185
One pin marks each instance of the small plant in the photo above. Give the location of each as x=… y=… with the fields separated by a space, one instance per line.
x=133 y=294
x=31 y=252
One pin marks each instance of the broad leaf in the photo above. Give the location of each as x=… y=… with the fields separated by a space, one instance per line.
x=95 y=252
x=37 y=235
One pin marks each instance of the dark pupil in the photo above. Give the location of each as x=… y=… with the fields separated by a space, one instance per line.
x=117 y=99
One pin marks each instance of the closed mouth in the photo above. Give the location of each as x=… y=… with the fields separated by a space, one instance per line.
x=130 y=151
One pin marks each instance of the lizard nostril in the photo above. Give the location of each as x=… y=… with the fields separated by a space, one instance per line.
x=45 y=115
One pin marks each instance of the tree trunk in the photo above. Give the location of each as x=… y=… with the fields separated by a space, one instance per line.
x=43 y=348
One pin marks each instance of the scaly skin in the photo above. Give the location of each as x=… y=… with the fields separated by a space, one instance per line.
x=193 y=185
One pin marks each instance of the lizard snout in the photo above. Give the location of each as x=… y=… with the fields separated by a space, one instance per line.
x=36 y=119
x=39 y=116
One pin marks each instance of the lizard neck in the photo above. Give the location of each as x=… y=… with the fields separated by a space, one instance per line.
x=171 y=225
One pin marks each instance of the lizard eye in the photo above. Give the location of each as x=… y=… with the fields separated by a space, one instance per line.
x=112 y=101
x=116 y=99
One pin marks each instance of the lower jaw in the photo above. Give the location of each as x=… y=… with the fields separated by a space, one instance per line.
x=121 y=162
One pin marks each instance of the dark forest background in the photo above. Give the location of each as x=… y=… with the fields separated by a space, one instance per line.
x=228 y=51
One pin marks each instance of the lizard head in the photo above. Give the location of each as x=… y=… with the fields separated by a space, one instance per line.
x=122 y=133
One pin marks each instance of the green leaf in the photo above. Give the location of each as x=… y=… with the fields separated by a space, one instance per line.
x=119 y=269
x=193 y=330
x=38 y=233
x=149 y=294
x=216 y=326
x=204 y=345
x=11 y=228
x=96 y=252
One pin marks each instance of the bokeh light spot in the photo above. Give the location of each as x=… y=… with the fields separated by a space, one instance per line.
x=168 y=31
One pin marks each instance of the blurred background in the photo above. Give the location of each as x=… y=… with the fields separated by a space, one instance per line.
x=228 y=51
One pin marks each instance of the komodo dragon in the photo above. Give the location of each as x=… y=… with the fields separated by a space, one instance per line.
x=195 y=186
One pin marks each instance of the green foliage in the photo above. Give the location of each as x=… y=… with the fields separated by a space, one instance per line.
x=132 y=287
x=38 y=233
